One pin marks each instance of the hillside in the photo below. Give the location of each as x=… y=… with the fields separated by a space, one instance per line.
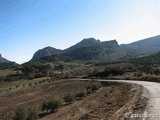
x=87 y=50
x=150 y=59
x=47 y=51
x=3 y=60
x=93 y=50
x=85 y=42
x=145 y=46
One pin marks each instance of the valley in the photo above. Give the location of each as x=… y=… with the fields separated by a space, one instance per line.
x=94 y=106
x=82 y=82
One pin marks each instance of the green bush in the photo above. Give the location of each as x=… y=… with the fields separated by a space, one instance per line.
x=55 y=104
x=52 y=105
x=156 y=71
x=35 y=83
x=40 y=82
x=139 y=74
x=82 y=94
x=17 y=86
x=45 y=105
x=96 y=86
x=32 y=114
x=69 y=98
x=20 y=113
x=30 y=84
x=89 y=91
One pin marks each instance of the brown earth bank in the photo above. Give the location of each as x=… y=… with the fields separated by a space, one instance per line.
x=110 y=102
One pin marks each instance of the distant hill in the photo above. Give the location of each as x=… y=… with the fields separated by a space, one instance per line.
x=146 y=46
x=4 y=62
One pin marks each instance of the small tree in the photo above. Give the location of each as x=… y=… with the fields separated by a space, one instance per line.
x=20 y=113
x=32 y=113
x=55 y=104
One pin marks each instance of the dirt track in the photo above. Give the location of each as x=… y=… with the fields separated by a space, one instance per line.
x=111 y=102
x=152 y=92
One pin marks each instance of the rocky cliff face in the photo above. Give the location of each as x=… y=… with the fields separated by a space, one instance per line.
x=45 y=52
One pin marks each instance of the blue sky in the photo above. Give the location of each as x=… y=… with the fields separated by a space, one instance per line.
x=29 y=25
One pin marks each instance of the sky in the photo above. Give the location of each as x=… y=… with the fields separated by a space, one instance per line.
x=29 y=25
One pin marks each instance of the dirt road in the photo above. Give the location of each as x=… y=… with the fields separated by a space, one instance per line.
x=152 y=92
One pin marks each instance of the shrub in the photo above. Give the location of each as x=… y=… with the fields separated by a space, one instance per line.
x=17 y=86
x=40 y=82
x=32 y=113
x=156 y=71
x=69 y=98
x=96 y=86
x=84 y=116
x=20 y=113
x=111 y=89
x=55 y=104
x=52 y=105
x=35 y=83
x=106 y=95
x=30 y=84
x=139 y=74
x=89 y=91
x=82 y=93
x=45 y=105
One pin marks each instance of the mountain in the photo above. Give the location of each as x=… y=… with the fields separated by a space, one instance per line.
x=90 y=49
x=87 y=50
x=47 y=51
x=4 y=62
x=95 y=51
x=146 y=46
x=147 y=60
x=85 y=42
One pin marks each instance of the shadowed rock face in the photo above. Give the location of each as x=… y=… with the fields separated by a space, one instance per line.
x=47 y=51
x=87 y=49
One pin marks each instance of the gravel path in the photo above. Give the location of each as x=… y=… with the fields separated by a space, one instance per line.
x=152 y=92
